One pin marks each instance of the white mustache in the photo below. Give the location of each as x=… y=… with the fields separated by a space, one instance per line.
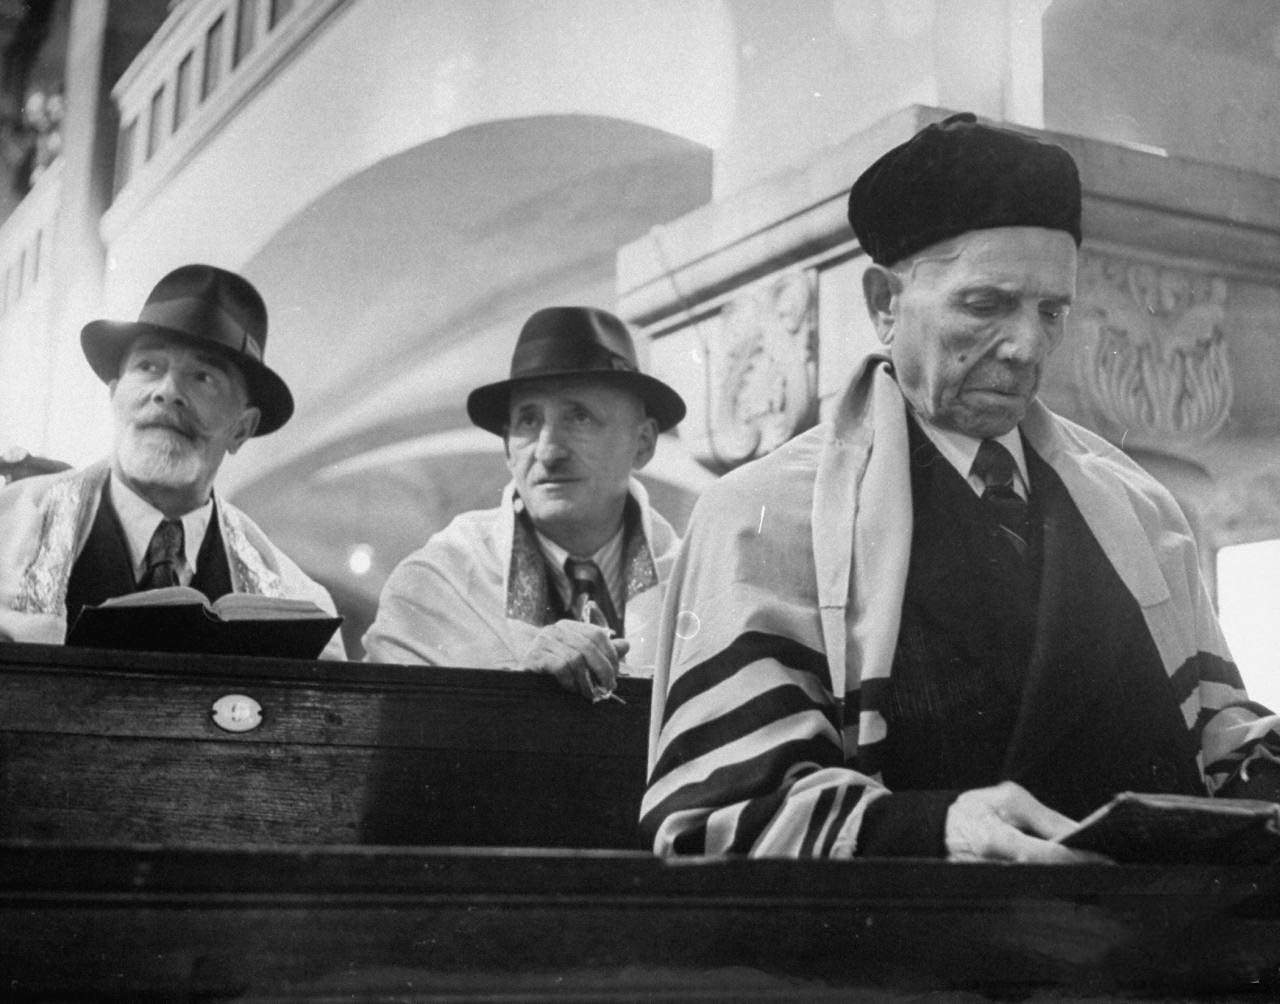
x=166 y=420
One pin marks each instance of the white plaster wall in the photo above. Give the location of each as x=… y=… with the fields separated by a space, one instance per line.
x=814 y=72
x=387 y=75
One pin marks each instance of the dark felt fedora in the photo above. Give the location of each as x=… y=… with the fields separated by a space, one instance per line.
x=574 y=342
x=205 y=306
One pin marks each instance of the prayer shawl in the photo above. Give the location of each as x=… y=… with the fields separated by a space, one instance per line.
x=476 y=593
x=789 y=589
x=44 y=522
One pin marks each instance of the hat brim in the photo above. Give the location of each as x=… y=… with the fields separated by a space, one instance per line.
x=489 y=406
x=105 y=343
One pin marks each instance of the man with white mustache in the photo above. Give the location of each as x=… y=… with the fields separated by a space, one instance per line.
x=188 y=387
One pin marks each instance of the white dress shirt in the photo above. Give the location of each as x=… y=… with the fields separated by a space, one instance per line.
x=139 y=519
x=608 y=559
x=960 y=450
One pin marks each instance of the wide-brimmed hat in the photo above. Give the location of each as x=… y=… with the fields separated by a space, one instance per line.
x=574 y=342
x=959 y=175
x=208 y=307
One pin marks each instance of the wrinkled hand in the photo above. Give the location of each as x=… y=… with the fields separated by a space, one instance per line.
x=582 y=657
x=1008 y=823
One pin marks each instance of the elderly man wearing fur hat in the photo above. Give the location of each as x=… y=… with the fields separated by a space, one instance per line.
x=565 y=576
x=188 y=386
x=948 y=621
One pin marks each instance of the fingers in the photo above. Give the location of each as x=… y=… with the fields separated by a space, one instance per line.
x=1007 y=843
x=1007 y=823
x=1026 y=812
x=580 y=656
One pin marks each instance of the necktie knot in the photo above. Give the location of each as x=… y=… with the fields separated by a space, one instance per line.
x=994 y=465
x=164 y=556
x=588 y=587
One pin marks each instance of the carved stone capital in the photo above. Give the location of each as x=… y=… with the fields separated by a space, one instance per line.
x=1155 y=361
x=763 y=369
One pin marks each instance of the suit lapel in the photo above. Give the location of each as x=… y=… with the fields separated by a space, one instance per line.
x=1075 y=629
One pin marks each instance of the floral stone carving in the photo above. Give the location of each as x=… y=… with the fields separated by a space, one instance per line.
x=1155 y=362
x=764 y=368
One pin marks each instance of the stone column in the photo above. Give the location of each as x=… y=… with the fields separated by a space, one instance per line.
x=75 y=399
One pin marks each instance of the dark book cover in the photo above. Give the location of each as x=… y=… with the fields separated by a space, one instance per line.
x=1181 y=829
x=182 y=619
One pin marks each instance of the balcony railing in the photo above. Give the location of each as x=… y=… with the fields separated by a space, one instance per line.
x=27 y=345
x=207 y=59
x=26 y=242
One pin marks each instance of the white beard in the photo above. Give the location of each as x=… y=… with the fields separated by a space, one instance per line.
x=158 y=458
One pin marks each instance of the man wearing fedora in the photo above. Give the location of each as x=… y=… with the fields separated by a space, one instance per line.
x=947 y=622
x=188 y=386
x=566 y=575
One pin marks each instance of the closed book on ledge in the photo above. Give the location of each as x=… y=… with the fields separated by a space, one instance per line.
x=182 y=619
x=1181 y=829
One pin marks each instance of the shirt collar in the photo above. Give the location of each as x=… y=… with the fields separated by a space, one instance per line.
x=139 y=519
x=608 y=559
x=960 y=450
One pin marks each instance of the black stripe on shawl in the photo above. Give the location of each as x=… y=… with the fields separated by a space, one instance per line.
x=849 y=799
x=819 y=815
x=749 y=647
x=872 y=695
x=753 y=819
x=1204 y=667
x=771 y=706
x=755 y=777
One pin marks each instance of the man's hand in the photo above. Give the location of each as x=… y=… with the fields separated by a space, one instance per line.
x=1007 y=823
x=582 y=657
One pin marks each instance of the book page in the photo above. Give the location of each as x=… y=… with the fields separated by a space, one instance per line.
x=166 y=596
x=252 y=607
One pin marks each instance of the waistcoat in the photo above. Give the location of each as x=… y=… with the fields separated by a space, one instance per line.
x=104 y=569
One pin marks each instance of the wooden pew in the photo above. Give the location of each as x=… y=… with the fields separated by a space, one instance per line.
x=414 y=923
x=122 y=747
x=396 y=832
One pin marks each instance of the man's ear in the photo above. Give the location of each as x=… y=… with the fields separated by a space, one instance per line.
x=245 y=428
x=881 y=288
x=646 y=443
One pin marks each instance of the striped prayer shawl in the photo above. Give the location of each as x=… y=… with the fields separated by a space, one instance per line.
x=788 y=590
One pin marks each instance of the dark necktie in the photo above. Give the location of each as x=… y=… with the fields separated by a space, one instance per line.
x=995 y=466
x=164 y=555
x=588 y=586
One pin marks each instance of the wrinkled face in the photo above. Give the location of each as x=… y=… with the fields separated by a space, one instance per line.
x=571 y=448
x=178 y=411
x=973 y=320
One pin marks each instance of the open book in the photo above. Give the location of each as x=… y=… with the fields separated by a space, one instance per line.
x=182 y=619
x=1181 y=829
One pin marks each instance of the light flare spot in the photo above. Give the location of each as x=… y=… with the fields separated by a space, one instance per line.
x=687 y=625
